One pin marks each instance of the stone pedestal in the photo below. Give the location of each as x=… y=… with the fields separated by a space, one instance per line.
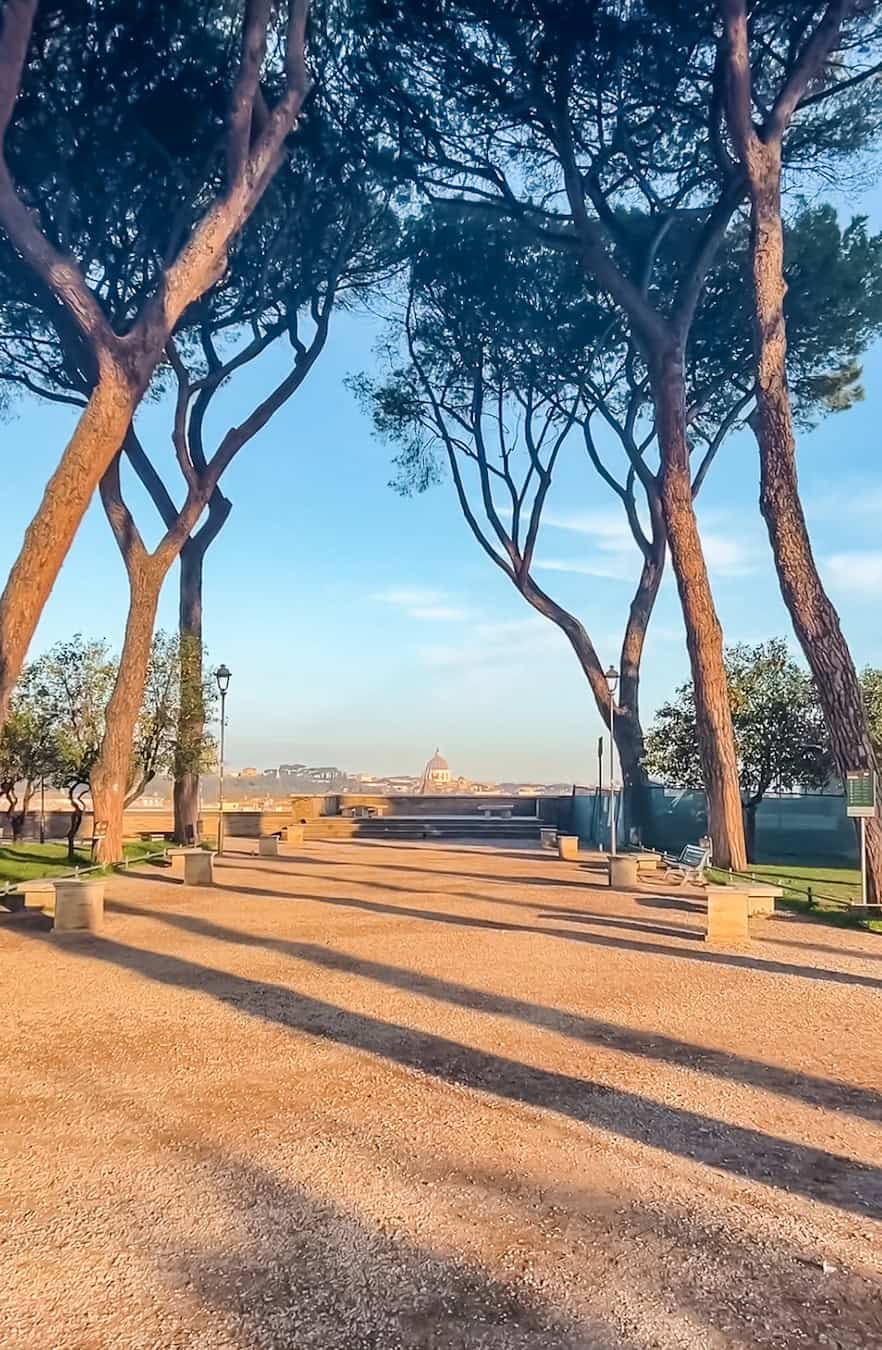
x=268 y=846
x=727 y=913
x=568 y=847
x=648 y=863
x=294 y=834
x=79 y=906
x=198 y=867
x=623 y=871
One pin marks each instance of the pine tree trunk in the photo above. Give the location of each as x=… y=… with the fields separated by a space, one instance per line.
x=634 y=797
x=98 y=436
x=704 y=637
x=191 y=722
x=76 y=820
x=110 y=776
x=814 y=617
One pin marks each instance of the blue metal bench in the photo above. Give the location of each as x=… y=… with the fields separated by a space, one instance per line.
x=689 y=866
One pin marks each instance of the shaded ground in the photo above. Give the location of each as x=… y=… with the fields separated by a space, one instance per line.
x=367 y=1095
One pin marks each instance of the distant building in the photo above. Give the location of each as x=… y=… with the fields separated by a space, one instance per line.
x=326 y=774
x=291 y=770
x=436 y=775
x=248 y=773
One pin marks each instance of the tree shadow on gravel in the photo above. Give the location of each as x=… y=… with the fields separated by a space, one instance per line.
x=689 y=951
x=299 y=1271
x=739 y=1150
x=822 y=1092
x=671 y=902
x=764 y=1294
x=613 y=921
x=439 y=878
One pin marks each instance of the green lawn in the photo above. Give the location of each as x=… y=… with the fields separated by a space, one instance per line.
x=24 y=862
x=815 y=890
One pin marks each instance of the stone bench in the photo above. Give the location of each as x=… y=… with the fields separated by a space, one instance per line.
x=36 y=894
x=568 y=847
x=761 y=898
x=293 y=834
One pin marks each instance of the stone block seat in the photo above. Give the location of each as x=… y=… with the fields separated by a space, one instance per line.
x=38 y=894
x=761 y=897
x=728 y=911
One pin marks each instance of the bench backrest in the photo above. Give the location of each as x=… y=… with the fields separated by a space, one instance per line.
x=694 y=855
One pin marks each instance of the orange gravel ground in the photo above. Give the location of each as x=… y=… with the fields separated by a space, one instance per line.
x=368 y=1096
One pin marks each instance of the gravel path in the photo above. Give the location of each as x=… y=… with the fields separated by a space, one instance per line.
x=366 y=1096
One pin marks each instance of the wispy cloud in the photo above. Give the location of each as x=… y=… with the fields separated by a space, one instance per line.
x=498 y=645
x=406 y=597
x=425 y=606
x=858 y=571
x=623 y=569
x=727 y=556
x=608 y=529
x=439 y=613
x=857 y=498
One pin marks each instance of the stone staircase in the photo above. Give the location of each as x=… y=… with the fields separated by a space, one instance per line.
x=477 y=828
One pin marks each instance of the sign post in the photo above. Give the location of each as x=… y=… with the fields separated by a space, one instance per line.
x=860 y=795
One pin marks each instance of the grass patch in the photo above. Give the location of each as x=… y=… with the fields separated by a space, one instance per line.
x=818 y=892
x=28 y=860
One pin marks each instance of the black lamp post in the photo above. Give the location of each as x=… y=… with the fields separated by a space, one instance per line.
x=222 y=675
x=612 y=680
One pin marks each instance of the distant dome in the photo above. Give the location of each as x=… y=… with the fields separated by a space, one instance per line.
x=436 y=774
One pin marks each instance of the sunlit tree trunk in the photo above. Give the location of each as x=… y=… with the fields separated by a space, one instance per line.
x=813 y=614
x=704 y=637
x=48 y=537
x=191 y=725
x=112 y=772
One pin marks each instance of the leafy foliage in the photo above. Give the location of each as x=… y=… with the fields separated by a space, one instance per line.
x=779 y=731
x=29 y=752
x=871 y=688
x=57 y=724
x=157 y=748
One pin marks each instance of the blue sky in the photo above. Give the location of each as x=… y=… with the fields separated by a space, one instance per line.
x=364 y=629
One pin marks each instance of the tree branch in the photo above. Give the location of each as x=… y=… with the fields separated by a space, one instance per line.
x=125 y=531
x=808 y=65
x=15 y=37
x=149 y=476
x=246 y=85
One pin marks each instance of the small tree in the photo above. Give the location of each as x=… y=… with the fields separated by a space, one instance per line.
x=780 y=738
x=156 y=746
x=71 y=683
x=28 y=753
